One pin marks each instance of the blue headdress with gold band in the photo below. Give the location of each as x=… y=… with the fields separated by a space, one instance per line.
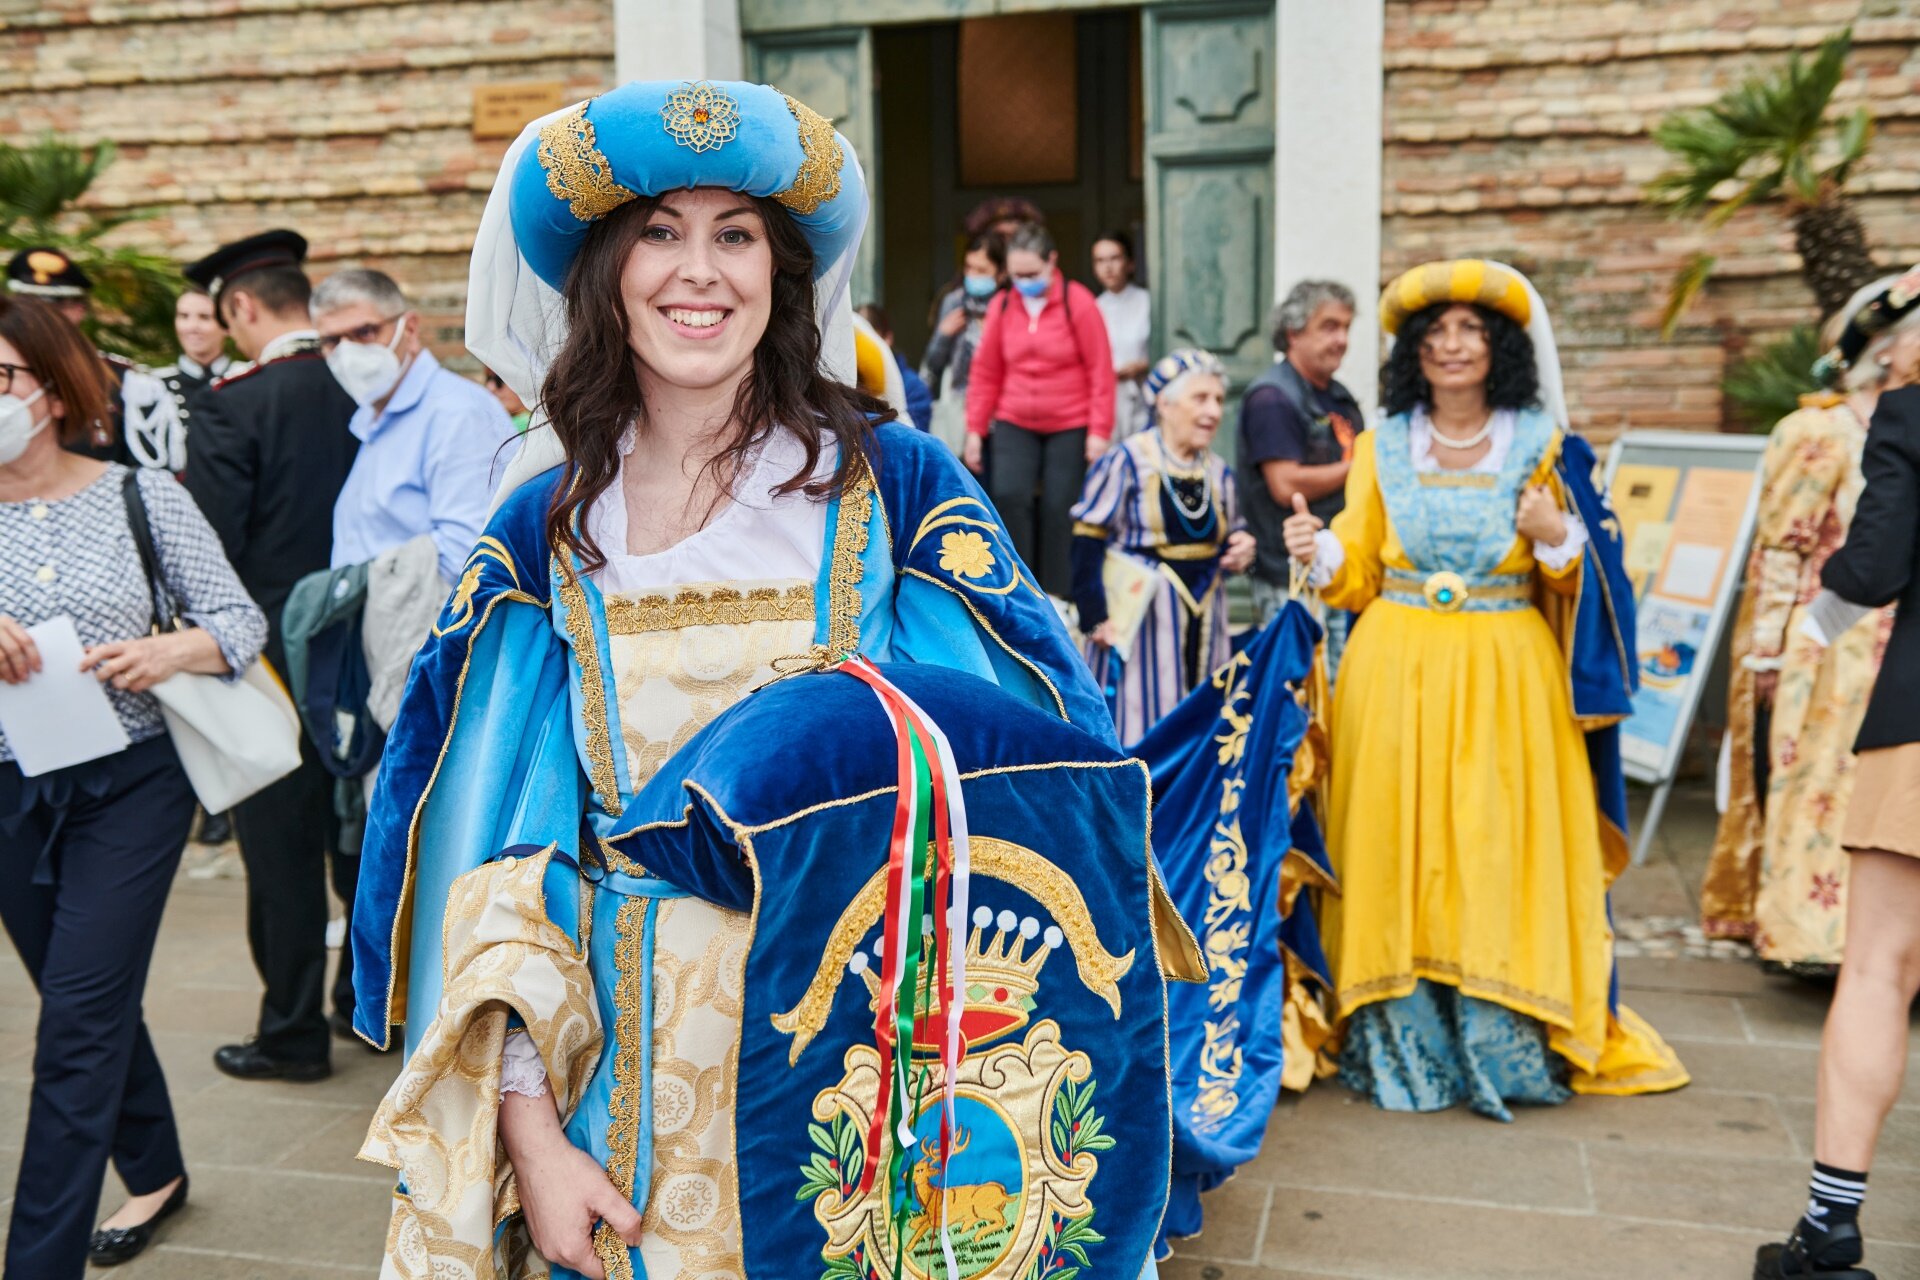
x=1176 y=367
x=650 y=137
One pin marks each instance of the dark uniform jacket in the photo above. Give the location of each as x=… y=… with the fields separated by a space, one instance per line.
x=1881 y=564
x=270 y=451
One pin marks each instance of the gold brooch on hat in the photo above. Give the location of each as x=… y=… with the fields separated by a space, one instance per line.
x=700 y=116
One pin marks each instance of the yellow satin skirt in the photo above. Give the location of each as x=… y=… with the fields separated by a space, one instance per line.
x=1465 y=831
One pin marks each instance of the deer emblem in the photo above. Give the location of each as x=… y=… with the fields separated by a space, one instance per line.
x=979 y=1208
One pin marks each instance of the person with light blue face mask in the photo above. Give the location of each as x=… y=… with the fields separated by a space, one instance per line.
x=1043 y=386
x=961 y=312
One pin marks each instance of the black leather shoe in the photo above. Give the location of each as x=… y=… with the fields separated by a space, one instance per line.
x=247 y=1062
x=111 y=1247
x=1802 y=1257
x=215 y=828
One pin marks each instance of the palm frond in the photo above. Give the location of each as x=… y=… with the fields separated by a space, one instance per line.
x=1687 y=284
x=1856 y=135
x=1763 y=131
x=1767 y=386
x=39 y=181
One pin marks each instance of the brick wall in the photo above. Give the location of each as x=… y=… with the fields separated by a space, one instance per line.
x=348 y=120
x=1519 y=129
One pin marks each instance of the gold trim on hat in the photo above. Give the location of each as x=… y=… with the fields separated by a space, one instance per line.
x=819 y=178
x=577 y=171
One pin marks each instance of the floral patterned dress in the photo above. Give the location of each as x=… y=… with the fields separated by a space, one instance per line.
x=1778 y=874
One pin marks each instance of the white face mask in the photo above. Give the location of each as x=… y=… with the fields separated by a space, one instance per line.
x=367 y=370
x=17 y=427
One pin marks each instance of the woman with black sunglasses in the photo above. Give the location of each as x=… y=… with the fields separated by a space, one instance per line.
x=88 y=852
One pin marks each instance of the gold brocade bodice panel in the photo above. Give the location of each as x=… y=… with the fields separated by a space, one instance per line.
x=683 y=655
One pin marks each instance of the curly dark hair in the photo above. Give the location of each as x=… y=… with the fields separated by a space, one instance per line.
x=592 y=390
x=1513 y=379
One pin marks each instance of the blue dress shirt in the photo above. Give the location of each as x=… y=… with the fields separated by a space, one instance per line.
x=427 y=464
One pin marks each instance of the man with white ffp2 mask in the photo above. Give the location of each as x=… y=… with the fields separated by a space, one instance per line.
x=429 y=438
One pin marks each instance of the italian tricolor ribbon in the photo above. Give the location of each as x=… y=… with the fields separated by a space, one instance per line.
x=923 y=940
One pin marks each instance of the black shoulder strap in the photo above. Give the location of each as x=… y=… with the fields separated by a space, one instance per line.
x=166 y=615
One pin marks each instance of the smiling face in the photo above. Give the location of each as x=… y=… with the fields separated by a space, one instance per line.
x=201 y=336
x=1190 y=417
x=698 y=288
x=1456 y=353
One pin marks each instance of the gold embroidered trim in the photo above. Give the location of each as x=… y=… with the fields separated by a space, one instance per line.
x=593 y=691
x=613 y=1254
x=1519 y=999
x=623 y=1106
x=849 y=545
x=577 y=170
x=723 y=606
x=628 y=615
x=819 y=178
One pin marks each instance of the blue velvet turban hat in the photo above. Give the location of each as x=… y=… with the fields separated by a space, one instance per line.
x=650 y=137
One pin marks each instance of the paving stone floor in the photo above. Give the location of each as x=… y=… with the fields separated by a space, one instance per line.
x=1680 y=1186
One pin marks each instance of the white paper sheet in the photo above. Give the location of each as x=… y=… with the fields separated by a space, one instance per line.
x=61 y=715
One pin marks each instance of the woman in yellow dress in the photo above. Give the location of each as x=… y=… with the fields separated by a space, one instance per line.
x=1472 y=825
x=1779 y=873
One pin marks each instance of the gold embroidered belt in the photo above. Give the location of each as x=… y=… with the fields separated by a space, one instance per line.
x=1448 y=592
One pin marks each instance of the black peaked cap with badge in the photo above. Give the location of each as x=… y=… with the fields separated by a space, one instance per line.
x=270 y=446
x=43 y=272
x=278 y=248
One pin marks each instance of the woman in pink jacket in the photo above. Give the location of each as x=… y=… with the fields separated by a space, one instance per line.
x=1042 y=384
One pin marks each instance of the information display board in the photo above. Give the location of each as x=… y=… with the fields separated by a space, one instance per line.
x=1686 y=503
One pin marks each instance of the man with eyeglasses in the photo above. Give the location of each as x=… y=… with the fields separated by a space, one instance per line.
x=271 y=450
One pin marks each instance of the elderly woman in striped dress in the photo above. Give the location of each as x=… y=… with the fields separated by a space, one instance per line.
x=1159 y=523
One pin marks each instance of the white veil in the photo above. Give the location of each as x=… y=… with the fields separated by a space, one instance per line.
x=516 y=322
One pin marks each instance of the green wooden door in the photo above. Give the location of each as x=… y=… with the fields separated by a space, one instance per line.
x=832 y=72
x=1209 y=82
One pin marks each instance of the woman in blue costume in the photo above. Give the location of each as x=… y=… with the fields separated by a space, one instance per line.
x=1477 y=810
x=705 y=506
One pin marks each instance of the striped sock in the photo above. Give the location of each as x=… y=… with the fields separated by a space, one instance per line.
x=1834 y=1198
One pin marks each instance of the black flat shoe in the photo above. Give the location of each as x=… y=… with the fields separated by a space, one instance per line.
x=110 y=1247
x=1801 y=1258
x=247 y=1062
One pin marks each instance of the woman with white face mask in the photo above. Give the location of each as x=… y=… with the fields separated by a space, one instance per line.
x=87 y=852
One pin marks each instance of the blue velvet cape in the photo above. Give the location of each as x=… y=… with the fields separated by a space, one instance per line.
x=782 y=807
x=1227 y=820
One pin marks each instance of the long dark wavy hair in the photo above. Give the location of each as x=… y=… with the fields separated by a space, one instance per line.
x=1513 y=379
x=592 y=389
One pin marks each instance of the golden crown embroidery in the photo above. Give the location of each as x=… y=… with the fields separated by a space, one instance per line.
x=577 y=171
x=819 y=178
x=700 y=116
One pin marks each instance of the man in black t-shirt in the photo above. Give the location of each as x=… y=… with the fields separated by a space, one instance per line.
x=1297 y=427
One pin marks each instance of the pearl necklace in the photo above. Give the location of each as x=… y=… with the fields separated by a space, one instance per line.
x=1453 y=442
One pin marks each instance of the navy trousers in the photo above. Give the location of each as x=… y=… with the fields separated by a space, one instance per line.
x=87 y=856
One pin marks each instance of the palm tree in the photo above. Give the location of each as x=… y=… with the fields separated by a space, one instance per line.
x=1771 y=137
x=40 y=189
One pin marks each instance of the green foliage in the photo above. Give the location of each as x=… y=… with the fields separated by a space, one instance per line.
x=1076 y=1125
x=41 y=185
x=1766 y=135
x=1771 y=137
x=1766 y=386
x=837 y=1160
